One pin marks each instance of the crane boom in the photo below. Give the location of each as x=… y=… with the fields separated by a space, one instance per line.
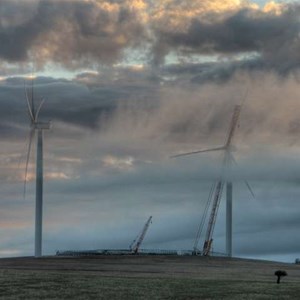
x=135 y=246
x=212 y=218
x=220 y=184
x=216 y=192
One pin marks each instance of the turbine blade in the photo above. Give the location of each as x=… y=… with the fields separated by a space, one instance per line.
x=200 y=151
x=31 y=135
x=233 y=124
x=246 y=182
x=250 y=189
x=30 y=112
x=231 y=158
x=32 y=98
x=39 y=109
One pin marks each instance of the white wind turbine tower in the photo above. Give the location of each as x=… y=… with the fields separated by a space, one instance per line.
x=216 y=192
x=36 y=125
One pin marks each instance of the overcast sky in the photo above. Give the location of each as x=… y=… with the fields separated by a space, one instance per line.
x=127 y=83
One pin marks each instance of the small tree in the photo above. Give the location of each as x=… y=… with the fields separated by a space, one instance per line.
x=279 y=274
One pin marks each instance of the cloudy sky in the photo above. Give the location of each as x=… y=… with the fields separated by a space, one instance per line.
x=127 y=84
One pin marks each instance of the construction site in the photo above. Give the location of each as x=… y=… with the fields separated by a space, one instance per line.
x=209 y=216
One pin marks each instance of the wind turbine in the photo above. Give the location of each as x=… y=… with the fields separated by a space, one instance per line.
x=216 y=191
x=39 y=127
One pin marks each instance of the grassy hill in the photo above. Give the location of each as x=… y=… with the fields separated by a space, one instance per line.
x=145 y=277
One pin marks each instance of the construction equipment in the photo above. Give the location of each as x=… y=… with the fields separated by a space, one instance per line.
x=135 y=245
x=216 y=192
x=212 y=220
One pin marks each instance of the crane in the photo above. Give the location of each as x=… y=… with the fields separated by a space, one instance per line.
x=212 y=219
x=216 y=191
x=135 y=245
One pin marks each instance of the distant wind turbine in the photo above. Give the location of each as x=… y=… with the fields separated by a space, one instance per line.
x=216 y=192
x=36 y=125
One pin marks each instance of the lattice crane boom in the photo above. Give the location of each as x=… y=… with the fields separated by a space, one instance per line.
x=219 y=187
x=216 y=192
x=212 y=219
x=135 y=246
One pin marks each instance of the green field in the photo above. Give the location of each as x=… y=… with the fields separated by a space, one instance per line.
x=145 y=277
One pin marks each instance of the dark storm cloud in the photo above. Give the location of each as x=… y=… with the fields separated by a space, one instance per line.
x=90 y=100
x=66 y=102
x=76 y=103
x=214 y=72
x=15 y=38
x=167 y=111
x=67 y=32
x=245 y=31
x=275 y=38
x=77 y=33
